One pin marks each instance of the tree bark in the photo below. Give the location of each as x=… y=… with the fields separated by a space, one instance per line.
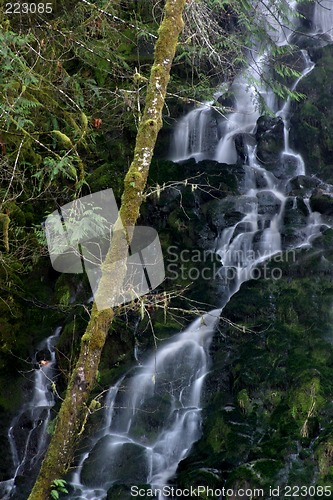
x=72 y=411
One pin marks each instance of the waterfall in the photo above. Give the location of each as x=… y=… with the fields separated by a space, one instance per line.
x=284 y=114
x=242 y=120
x=188 y=137
x=152 y=416
x=195 y=135
x=323 y=17
x=189 y=133
x=27 y=435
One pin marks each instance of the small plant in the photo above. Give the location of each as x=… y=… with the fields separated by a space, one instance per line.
x=58 y=486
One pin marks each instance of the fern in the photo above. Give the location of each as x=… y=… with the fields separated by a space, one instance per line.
x=58 y=486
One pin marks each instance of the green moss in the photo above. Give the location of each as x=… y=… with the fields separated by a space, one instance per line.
x=108 y=175
x=270 y=396
x=244 y=401
x=242 y=475
x=267 y=469
x=63 y=290
x=95 y=340
x=123 y=492
x=217 y=434
x=324 y=455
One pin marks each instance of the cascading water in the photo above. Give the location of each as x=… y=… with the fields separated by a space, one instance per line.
x=243 y=119
x=153 y=414
x=323 y=17
x=288 y=154
x=195 y=136
x=27 y=434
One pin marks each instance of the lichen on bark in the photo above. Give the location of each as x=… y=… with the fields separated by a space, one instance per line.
x=5 y=220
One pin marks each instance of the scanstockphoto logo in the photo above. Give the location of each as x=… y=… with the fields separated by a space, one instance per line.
x=225 y=266
x=79 y=235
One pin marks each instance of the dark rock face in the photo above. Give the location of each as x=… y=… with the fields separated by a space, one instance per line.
x=123 y=492
x=302 y=185
x=268 y=203
x=322 y=202
x=269 y=136
x=202 y=189
x=306 y=10
x=288 y=166
x=211 y=134
x=242 y=141
x=102 y=465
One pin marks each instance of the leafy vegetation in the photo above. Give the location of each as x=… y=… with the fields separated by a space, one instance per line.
x=58 y=486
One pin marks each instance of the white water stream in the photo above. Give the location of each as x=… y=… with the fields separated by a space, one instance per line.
x=27 y=435
x=323 y=17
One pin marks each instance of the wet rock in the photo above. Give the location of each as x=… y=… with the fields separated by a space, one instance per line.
x=43 y=355
x=243 y=227
x=123 y=492
x=227 y=100
x=260 y=179
x=302 y=185
x=246 y=204
x=306 y=9
x=147 y=423
x=296 y=213
x=268 y=203
x=211 y=134
x=242 y=141
x=232 y=217
x=219 y=214
x=290 y=165
x=322 y=202
x=127 y=462
x=324 y=454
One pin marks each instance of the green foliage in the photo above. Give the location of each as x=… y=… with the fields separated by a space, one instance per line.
x=51 y=426
x=58 y=486
x=16 y=104
x=54 y=168
x=244 y=401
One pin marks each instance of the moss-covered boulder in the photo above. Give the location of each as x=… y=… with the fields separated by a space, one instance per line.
x=267 y=404
x=322 y=202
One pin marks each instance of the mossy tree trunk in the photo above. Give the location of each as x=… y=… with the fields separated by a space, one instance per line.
x=5 y=220
x=72 y=411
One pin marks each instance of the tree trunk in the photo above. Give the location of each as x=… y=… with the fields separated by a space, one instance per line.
x=72 y=411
